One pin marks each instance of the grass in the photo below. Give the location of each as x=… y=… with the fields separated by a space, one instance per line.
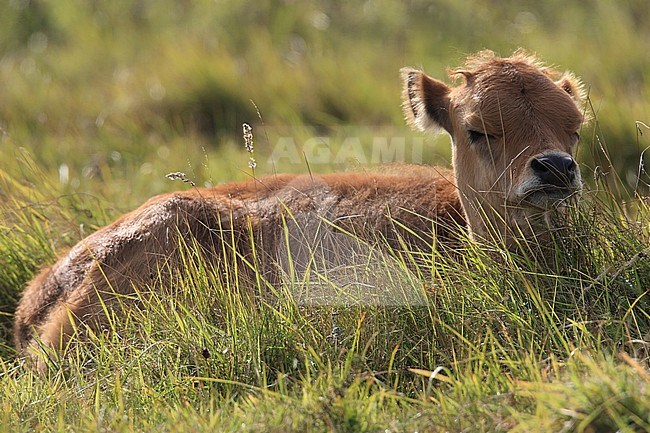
x=102 y=100
x=514 y=345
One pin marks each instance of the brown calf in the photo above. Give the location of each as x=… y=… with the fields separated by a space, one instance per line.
x=514 y=125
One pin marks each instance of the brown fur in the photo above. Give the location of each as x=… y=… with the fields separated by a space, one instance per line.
x=513 y=101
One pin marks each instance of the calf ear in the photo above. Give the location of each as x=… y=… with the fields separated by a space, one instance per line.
x=572 y=85
x=425 y=101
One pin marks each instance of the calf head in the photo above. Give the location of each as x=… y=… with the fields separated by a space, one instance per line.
x=514 y=125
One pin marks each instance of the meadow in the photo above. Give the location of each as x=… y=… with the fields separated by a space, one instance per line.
x=99 y=101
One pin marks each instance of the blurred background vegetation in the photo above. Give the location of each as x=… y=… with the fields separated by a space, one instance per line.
x=106 y=97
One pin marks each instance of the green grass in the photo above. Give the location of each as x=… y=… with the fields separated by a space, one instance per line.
x=521 y=347
x=101 y=100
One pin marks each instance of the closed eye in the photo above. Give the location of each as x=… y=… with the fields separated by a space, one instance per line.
x=575 y=137
x=477 y=136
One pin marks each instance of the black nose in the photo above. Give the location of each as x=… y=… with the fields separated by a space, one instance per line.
x=555 y=169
